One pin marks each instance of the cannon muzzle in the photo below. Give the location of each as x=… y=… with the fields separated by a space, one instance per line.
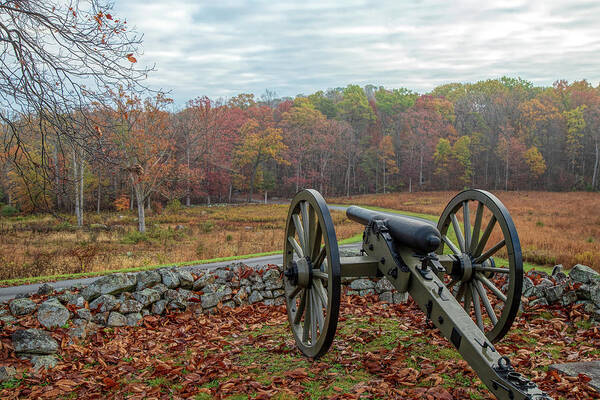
x=419 y=234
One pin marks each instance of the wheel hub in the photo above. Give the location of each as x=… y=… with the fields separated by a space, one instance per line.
x=462 y=269
x=299 y=272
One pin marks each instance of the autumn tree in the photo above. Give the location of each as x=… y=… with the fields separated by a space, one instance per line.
x=260 y=142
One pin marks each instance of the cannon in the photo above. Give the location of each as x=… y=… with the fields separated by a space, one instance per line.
x=450 y=269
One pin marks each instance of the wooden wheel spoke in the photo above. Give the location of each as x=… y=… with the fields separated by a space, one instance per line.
x=321 y=292
x=299 y=230
x=294 y=292
x=318 y=308
x=477 y=227
x=296 y=246
x=458 y=232
x=497 y=292
x=320 y=258
x=317 y=273
x=490 y=252
x=467 y=225
x=300 y=309
x=307 y=317
x=314 y=310
x=451 y=245
x=315 y=241
x=486 y=302
x=468 y=299
x=306 y=225
x=477 y=307
x=486 y=235
x=459 y=291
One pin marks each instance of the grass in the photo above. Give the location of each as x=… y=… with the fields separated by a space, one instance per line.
x=41 y=247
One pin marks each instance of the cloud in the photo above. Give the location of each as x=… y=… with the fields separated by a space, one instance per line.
x=223 y=48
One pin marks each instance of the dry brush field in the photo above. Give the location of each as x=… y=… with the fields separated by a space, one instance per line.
x=42 y=245
x=554 y=228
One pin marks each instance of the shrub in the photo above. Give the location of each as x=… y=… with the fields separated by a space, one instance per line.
x=8 y=211
x=207 y=227
x=134 y=237
x=229 y=238
x=199 y=249
x=173 y=206
x=122 y=203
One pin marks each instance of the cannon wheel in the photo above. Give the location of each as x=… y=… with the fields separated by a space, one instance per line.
x=312 y=273
x=474 y=283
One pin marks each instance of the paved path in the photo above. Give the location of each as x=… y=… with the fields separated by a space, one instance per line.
x=10 y=292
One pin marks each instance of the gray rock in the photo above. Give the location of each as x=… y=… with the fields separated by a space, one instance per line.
x=260 y=285
x=79 y=322
x=366 y=292
x=100 y=318
x=352 y=292
x=43 y=362
x=273 y=284
x=223 y=274
x=209 y=300
x=400 y=298
x=556 y=269
x=85 y=314
x=110 y=284
x=45 y=289
x=279 y=301
x=255 y=297
x=147 y=296
x=7 y=373
x=202 y=281
x=538 y=302
x=527 y=285
x=19 y=307
x=7 y=319
x=77 y=332
x=229 y=304
x=186 y=279
x=224 y=293
x=583 y=291
x=159 y=307
x=130 y=306
x=240 y=297
x=269 y=302
x=595 y=295
x=386 y=297
x=161 y=288
x=104 y=303
x=145 y=312
x=66 y=297
x=116 y=319
x=278 y=293
x=362 y=284
x=561 y=278
x=553 y=293
x=568 y=298
x=33 y=341
x=77 y=301
x=584 y=274
x=51 y=314
x=185 y=294
x=147 y=279
x=169 y=278
x=133 y=318
x=271 y=275
x=267 y=294
x=383 y=285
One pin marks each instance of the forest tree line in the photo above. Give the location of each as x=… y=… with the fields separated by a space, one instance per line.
x=500 y=134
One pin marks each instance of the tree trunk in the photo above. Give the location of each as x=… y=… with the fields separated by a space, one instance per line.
x=506 y=170
x=596 y=160
x=57 y=177
x=188 y=189
x=421 y=169
x=265 y=197
x=139 y=196
x=297 y=176
x=131 y=199
x=98 y=201
x=230 y=192
x=409 y=185
x=77 y=170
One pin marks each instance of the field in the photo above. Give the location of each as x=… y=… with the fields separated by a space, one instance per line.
x=554 y=228
x=42 y=245
x=380 y=352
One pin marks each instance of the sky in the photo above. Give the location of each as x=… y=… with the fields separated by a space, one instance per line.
x=222 y=48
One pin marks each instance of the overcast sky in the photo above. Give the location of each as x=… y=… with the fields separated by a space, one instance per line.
x=222 y=48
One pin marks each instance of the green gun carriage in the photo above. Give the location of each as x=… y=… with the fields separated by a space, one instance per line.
x=448 y=269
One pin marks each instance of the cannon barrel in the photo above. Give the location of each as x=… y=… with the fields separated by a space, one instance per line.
x=420 y=235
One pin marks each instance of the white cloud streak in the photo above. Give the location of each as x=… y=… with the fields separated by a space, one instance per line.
x=223 y=48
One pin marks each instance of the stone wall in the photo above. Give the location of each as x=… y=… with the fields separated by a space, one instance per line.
x=124 y=299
